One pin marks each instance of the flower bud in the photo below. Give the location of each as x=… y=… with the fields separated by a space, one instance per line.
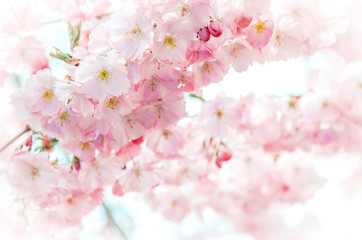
x=215 y=28
x=204 y=34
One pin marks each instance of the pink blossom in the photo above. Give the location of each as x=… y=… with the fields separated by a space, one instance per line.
x=260 y=30
x=215 y=28
x=166 y=143
x=194 y=13
x=74 y=205
x=31 y=174
x=27 y=54
x=101 y=76
x=173 y=204
x=131 y=33
x=240 y=54
x=204 y=34
x=84 y=150
x=38 y=96
x=127 y=127
x=198 y=51
x=209 y=71
x=96 y=173
x=171 y=41
x=21 y=18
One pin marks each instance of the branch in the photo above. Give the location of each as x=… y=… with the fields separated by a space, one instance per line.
x=110 y=218
x=53 y=21
x=27 y=129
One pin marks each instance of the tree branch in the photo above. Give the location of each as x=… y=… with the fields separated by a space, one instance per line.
x=27 y=129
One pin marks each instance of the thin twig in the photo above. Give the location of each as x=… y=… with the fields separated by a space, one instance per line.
x=52 y=21
x=110 y=217
x=27 y=129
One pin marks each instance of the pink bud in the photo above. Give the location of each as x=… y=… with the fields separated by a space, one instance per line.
x=29 y=141
x=77 y=166
x=215 y=28
x=204 y=34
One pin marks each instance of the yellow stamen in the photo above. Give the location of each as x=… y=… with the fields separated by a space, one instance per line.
x=112 y=102
x=134 y=33
x=206 y=67
x=184 y=9
x=103 y=75
x=85 y=146
x=170 y=42
x=154 y=82
x=260 y=26
x=63 y=117
x=159 y=109
x=137 y=172
x=48 y=94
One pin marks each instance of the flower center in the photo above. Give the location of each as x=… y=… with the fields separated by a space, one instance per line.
x=70 y=201
x=34 y=172
x=260 y=26
x=112 y=102
x=184 y=9
x=134 y=33
x=48 y=94
x=85 y=146
x=165 y=133
x=159 y=109
x=206 y=67
x=103 y=75
x=170 y=42
x=137 y=172
x=64 y=116
x=219 y=113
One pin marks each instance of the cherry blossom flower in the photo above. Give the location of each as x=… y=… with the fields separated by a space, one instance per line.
x=172 y=40
x=101 y=76
x=38 y=96
x=260 y=30
x=26 y=54
x=31 y=174
x=131 y=33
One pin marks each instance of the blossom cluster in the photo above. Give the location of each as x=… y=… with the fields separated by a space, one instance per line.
x=114 y=113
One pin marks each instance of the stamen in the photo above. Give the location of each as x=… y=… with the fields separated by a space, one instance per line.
x=134 y=33
x=48 y=95
x=170 y=42
x=112 y=102
x=103 y=75
x=260 y=26
x=34 y=172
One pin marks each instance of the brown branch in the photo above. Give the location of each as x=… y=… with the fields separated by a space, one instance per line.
x=27 y=129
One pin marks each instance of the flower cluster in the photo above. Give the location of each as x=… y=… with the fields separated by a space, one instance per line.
x=114 y=114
